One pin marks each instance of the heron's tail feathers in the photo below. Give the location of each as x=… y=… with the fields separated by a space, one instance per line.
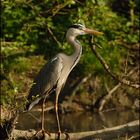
x=30 y=105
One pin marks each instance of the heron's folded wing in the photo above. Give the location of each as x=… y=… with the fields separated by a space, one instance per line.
x=45 y=80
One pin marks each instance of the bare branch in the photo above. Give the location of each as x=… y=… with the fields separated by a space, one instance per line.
x=133 y=47
x=117 y=78
x=76 y=86
x=109 y=95
x=103 y=133
x=54 y=37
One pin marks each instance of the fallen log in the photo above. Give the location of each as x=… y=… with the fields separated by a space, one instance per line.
x=113 y=132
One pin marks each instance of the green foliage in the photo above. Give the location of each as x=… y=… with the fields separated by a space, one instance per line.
x=38 y=27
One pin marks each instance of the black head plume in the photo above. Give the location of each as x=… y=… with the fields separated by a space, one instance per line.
x=77 y=26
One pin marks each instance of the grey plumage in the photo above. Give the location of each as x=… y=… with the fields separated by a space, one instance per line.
x=53 y=75
x=45 y=81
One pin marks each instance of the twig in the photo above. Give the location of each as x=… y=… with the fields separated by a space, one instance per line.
x=109 y=95
x=134 y=137
x=133 y=47
x=117 y=78
x=8 y=127
x=126 y=64
x=59 y=7
x=76 y=85
x=54 y=37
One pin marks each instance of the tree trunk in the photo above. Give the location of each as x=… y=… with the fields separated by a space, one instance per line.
x=107 y=133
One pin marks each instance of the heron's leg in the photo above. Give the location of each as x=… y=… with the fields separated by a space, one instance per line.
x=57 y=117
x=56 y=111
x=42 y=123
x=42 y=119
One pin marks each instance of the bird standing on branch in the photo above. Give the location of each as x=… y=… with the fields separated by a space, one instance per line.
x=52 y=77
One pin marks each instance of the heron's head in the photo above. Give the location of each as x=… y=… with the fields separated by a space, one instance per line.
x=79 y=29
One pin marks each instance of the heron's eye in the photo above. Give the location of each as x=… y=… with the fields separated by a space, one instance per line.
x=77 y=26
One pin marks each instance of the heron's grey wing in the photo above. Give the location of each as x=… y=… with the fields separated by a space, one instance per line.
x=45 y=81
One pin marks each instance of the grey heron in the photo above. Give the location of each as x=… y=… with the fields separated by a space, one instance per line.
x=53 y=75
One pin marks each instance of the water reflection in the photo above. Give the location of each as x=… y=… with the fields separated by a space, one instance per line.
x=76 y=122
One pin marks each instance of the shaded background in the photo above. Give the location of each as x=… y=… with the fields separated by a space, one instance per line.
x=34 y=31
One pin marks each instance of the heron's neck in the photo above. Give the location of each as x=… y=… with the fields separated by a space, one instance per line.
x=75 y=56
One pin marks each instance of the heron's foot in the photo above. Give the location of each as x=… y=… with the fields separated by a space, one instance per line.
x=59 y=133
x=41 y=134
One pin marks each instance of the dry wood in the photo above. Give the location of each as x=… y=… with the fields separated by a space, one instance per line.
x=110 y=93
x=113 y=132
x=108 y=96
x=133 y=47
x=107 y=68
x=76 y=86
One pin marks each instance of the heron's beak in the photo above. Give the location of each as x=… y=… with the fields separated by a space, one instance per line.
x=93 y=32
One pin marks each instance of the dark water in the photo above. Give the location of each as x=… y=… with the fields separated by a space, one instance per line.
x=76 y=122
